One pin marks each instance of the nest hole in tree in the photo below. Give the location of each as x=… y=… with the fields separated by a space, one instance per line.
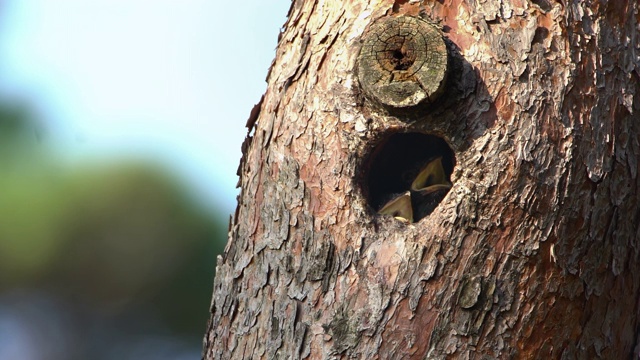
x=410 y=170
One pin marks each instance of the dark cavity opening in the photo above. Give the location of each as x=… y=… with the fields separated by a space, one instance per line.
x=399 y=54
x=401 y=59
x=408 y=175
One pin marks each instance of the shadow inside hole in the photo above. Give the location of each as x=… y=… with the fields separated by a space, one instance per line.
x=395 y=164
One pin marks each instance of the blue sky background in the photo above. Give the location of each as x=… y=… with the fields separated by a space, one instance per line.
x=172 y=81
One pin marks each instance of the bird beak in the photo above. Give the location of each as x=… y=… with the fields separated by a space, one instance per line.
x=399 y=207
x=431 y=178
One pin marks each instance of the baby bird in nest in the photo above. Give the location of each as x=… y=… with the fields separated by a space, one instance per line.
x=427 y=190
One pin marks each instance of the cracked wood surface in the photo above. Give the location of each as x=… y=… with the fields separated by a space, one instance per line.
x=532 y=254
x=402 y=61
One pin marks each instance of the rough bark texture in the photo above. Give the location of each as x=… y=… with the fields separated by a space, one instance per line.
x=533 y=253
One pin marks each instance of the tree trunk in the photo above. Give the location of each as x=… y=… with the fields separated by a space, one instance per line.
x=522 y=240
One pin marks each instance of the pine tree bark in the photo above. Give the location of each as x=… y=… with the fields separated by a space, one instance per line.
x=532 y=254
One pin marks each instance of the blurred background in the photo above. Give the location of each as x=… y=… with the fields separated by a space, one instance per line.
x=120 y=130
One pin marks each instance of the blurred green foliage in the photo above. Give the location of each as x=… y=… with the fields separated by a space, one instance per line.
x=115 y=237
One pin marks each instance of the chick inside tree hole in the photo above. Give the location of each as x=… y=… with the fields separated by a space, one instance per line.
x=408 y=175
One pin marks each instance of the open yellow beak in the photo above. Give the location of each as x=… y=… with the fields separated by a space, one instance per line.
x=431 y=178
x=399 y=207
